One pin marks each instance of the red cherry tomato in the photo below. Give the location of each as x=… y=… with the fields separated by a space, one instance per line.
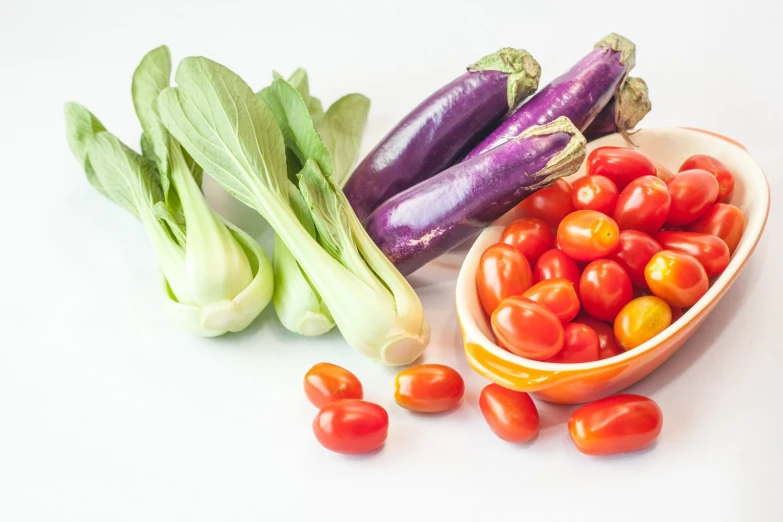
x=692 y=192
x=605 y=333
x=711 y=251
x=643 y=205
x=556 y=263
x=502 y=272
x=641 y=320
x=633 y=253
x=662 y=172
x=620 y=165
x=676 y=312
x=532 y=237
x=586 y=235
x=580 y=345
x=527 y=329
x=605 y=288
x=351 y=426
x=558 y=295
x=429 y=388
x=616 y=424
x=511 y=415
x=595 y=193
x=550 y=204
x=325 y=383
x=715 y=167
x=722 y=220
x=679 y=279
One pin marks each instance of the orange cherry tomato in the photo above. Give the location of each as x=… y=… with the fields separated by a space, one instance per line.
x=550 y=204
x=556 y=263
x=692 y=192
x=662 y=172
x=677 y=278
x=527 y=329
x=633 y=253
x=604 y=288
x=586 y=235
x=641 y=320
x=532 y=237
x=511 y=415
x=607 y=344
x=620 y=165
x=429 y=388
x=711 y=251
x=580 y=344
x=617 y=424
x=351 y=426
x=502 y=272
x=595 y=193
x=325 y=383
x=557 y=294
x=715 y=167
x=643 y=205
x=722 y=220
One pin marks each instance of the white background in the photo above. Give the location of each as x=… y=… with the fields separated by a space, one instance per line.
x=109 y=413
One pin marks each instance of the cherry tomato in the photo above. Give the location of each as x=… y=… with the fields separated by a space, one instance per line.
x=580 y=345
x=351 y=426
x=502 y=272
x=643 y=205
x=595 y=193
x=608 y=345
x=679 y=279
x=550 y=204
x=633 y=253
x=511 y=415
x=429 y=388
x=722 y=220
x=711 y=251
x=620 y=165
x=325 y=383
x=692 y=192
x=641 y=320
x=676 y=313
x=662 y=172
x=556 y=263
x=617 y=424
x=715 y=167
x=586 y=235
x=527 y=329
x=532 y=237
x=557 y=294
x=605 y=288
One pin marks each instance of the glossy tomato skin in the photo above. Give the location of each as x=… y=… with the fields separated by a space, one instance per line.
x=597 y=193
x=641 y=320
x=608 y=347
x=502 y=272
x=527 y=329
x=511 y=415
x=580 y=345
x=677 y=278
x=662 y=172
x=692 y=193
x=586 y=235
x=550 y=204
x=556 y=263
x=604 y=288
x=643 y=205
x=711 y=251
x=620 y=165
x=715 y=167
x=617 y=424
x=351 y=426
x=429 y=388
x=557 y=294
x=325 y=383
x=722 y=220
x=633 y=252
x=531 y=236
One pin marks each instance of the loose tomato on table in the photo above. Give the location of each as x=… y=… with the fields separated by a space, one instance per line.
x=620 y=165
x=557 y=294
x=511 y=415
x=531 y=236
x=643 y=205
x=633 y=252
x=325 y=383
x=502 y=272
x=677 y=278
x=527 y=329
x=556 y=263
x=711 y=251
x=715 y=167
x=641 y=320
x=604 y=289
x=586 y=235
x=351 y=426
x=595 y=193
x=550 y=204
x=580 y=344
x=722 y=220
x=429 y=388
x=608 y=347
x=692 y=193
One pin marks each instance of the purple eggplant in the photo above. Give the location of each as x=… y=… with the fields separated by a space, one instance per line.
x=623 y=112
x=444 y=127
x=429 y=219
x=579 y=94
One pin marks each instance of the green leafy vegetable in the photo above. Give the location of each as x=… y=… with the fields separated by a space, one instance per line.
x=341 y=130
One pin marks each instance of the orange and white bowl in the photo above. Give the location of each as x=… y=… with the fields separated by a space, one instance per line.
x=583 y=382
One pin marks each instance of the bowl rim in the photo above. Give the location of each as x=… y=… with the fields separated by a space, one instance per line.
x=472 y=333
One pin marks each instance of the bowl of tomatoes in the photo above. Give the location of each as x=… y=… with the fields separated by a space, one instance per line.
x=592 y=283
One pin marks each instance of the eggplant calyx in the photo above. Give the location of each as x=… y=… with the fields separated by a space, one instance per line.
x=631 y=105
x=522 y=69
x=565 y=162
x=623 y=45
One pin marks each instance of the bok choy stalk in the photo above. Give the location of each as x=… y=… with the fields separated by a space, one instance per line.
x=235 y=137
x=216 y=278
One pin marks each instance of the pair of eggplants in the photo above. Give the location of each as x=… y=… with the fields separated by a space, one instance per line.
x=472 y=151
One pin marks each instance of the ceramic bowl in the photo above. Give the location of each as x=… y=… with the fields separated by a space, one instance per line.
x=583 y=382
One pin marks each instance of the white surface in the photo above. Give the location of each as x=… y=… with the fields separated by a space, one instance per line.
x=108 y=413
